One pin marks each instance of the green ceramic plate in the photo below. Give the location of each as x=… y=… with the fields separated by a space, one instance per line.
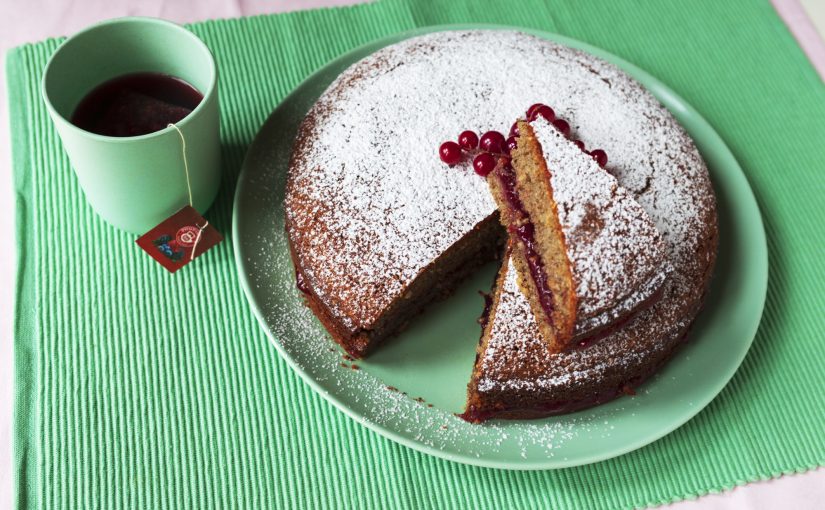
x=430 y=364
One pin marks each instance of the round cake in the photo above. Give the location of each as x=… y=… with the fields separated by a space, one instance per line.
x=379 y=227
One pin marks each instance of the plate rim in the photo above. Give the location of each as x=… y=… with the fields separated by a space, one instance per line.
x=526 y=465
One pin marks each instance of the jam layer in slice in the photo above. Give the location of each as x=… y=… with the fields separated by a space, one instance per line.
x=537 y=240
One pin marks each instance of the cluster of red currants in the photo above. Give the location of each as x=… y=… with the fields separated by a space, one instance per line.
x=492 y=146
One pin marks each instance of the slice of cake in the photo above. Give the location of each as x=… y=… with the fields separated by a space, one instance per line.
x=537 y=244
x=586 y=253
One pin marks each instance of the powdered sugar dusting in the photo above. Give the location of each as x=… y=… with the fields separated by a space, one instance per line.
x=370 y=202
x=618 y=255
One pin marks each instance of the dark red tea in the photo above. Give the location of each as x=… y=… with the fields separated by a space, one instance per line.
x=136 y=104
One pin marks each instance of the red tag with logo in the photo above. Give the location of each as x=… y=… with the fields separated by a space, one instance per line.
x=179 y=239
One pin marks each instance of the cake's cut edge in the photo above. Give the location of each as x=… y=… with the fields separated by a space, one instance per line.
x=476 y=405
x=437 y=281
x=536 y=192
x=518 y=391
x=529 y=213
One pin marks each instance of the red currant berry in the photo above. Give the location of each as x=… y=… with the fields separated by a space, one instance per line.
x=545 y=112
x=531 y=112
x=468 y=140
x=580 y=145
x=450 y=153
x=510 y=145
x=484 y=163
x=562 y=126
x=600 y=156
x=514 y=129
x=492 y=141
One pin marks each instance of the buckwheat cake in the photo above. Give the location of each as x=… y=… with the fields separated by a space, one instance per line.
x=379 y=227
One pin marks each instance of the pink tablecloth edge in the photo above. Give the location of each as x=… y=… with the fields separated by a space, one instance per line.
x=804 y=31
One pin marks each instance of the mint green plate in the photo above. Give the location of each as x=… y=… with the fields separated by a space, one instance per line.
x=430 y=364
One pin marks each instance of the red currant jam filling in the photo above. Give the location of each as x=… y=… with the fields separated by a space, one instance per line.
x=525 y=231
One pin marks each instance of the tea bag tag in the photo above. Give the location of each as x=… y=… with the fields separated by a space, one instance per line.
x=178 y=239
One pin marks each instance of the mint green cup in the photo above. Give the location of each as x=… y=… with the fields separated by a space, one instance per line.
x=136 y=182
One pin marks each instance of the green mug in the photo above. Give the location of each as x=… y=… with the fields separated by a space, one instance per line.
x=136 y=182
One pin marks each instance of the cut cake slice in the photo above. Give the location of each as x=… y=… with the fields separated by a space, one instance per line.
x=585 y=252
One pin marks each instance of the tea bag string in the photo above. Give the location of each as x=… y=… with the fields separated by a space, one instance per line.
x=185 y=162
x=189 y=188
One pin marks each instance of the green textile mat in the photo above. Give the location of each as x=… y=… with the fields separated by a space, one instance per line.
x=137 y=389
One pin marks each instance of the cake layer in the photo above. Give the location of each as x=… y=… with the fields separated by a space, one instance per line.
x=618 y=256
x=537 y=246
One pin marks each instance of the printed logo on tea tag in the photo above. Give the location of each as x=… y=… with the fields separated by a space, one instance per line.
x=179 y=239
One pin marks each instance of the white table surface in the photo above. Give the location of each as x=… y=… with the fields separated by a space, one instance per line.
x=24 y=21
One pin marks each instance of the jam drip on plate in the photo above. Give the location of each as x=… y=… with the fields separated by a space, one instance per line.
x=300 y=282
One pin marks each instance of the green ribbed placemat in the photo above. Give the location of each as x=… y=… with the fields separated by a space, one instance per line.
x=124 y=400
